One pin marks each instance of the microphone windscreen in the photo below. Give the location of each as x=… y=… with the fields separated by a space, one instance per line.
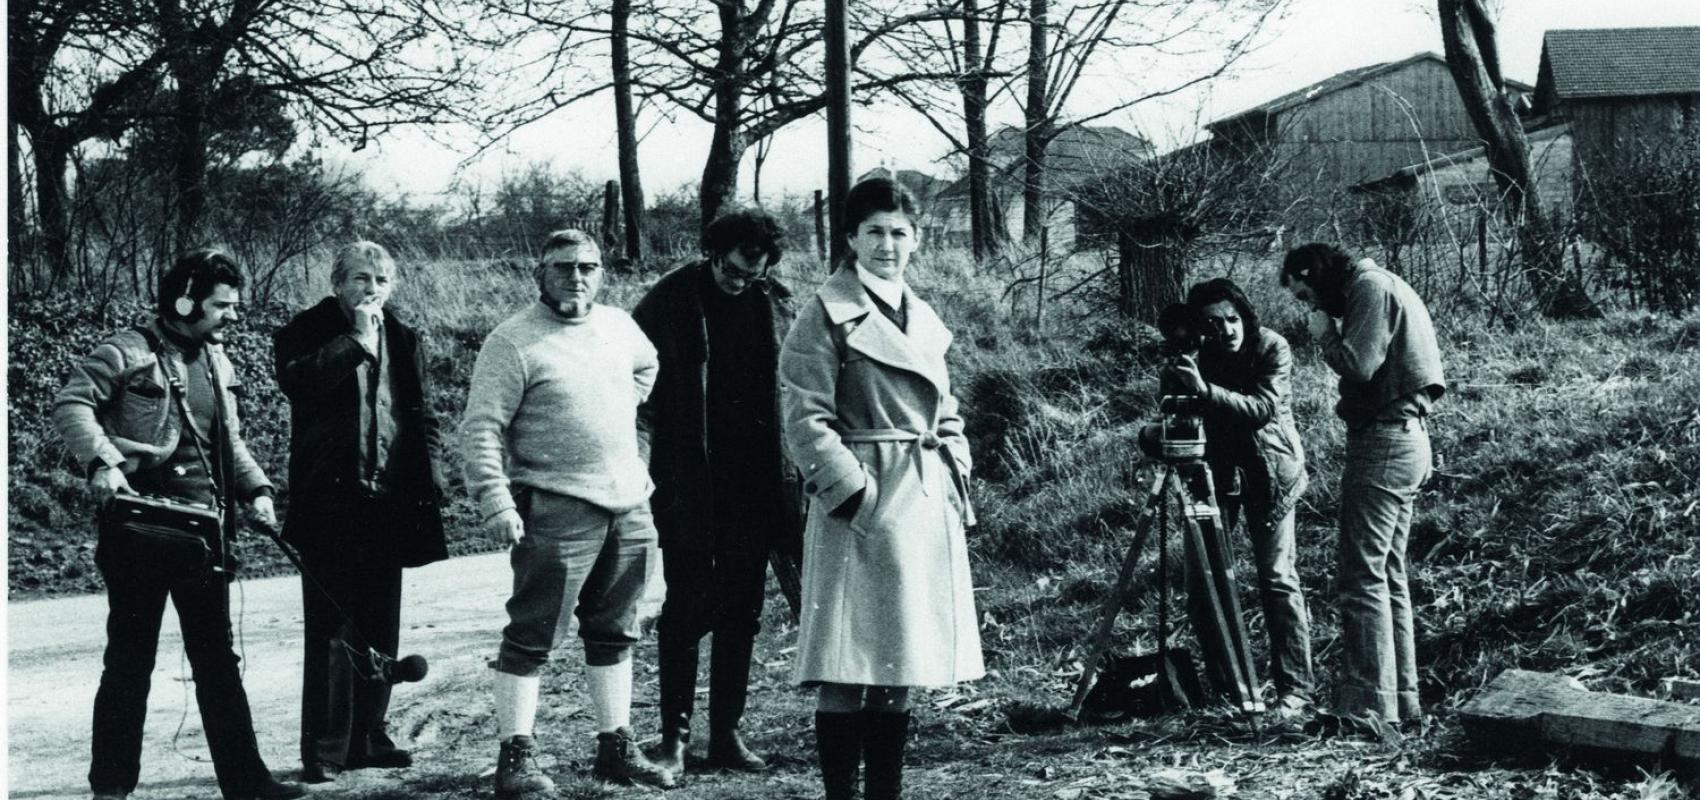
x=411 y=669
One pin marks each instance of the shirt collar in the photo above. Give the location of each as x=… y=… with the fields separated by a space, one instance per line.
x=888 y=291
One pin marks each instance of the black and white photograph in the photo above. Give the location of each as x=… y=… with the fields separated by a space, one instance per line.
x=802 y=399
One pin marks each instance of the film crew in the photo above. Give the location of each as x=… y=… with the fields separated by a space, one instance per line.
x=888 y=602
x=725 y=494
x=364 y=492
x=152 y=411
x=1388 y=360
x=552 y=458
x=1242 y=374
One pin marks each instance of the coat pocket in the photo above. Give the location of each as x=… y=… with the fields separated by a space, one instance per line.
x=865 y=513
x=142 y=410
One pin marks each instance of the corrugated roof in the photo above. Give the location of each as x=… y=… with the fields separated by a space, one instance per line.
x=1351 y=77
x=1620 y=62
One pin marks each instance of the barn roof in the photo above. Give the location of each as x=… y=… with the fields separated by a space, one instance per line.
x=1620 y=62
x=1075 y=155
x=1344 y=80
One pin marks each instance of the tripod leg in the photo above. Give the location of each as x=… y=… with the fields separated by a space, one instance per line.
x=1222 y=577
x=1118 y=597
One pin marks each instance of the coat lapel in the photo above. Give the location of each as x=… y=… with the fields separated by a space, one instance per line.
x=920 y=350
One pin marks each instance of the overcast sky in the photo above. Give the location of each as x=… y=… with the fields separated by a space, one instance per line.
x=1316 y=39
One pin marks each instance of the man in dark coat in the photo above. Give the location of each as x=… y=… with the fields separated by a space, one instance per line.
x=364 y=491
x=725 y=494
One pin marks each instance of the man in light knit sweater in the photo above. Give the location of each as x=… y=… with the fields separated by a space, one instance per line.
x=1388 y=359
x=551 y=448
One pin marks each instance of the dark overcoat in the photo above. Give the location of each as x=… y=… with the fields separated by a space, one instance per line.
x=316 y=358
x=673 y=421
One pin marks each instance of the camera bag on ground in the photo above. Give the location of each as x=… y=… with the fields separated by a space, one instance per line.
x=165 y=535
x=1148 y=685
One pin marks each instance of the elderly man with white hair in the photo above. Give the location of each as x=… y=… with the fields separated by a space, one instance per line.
x=552 y=458
x=364 y=491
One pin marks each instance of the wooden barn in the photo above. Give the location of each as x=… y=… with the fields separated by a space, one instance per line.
x=1359 y=125
x=1622 y=90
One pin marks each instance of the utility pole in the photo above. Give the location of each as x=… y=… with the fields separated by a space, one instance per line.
x=837 y=121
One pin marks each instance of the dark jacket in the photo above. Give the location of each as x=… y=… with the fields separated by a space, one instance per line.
x=672 y=423
x=316 y=358
x=1250 y=403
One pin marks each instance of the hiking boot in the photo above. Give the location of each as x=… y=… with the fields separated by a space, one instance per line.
x=517 y=772
x=618 y=760
x=726 y=750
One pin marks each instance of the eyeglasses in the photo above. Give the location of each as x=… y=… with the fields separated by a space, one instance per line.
x=578 y=266
x=732 y=270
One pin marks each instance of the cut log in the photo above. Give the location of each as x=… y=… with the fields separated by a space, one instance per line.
x=1520 y=708
x=1682 y=688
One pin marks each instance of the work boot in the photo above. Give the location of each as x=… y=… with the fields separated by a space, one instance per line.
x=884 y=736
x=726 y=750
x=517 y=772
x=619 y=760
x=838 y=740
x=670 y=754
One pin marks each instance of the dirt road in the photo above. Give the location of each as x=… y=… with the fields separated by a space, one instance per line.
x=451 y=615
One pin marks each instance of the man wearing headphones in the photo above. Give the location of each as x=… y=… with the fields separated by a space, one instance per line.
x=151 y=411
x=364 y=495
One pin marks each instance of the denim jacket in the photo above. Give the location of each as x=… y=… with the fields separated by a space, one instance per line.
x=117 y=408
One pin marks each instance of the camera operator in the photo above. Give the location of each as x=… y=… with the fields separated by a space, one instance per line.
x=1241 y=375
x=151 y=410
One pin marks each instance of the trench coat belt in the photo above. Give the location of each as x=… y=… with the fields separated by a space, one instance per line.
x=927 y=440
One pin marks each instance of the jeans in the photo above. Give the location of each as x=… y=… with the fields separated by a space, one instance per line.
x=1281 y=596
x=136 y=600
x=1386 y=462
x=575 y=558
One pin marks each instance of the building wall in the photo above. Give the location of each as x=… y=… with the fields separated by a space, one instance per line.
x=1369 y=130
x=1459 y=190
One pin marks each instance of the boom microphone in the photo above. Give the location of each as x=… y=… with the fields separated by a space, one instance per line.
x=411 y=669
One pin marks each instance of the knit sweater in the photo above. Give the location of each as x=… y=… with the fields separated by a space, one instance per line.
x=553 y=406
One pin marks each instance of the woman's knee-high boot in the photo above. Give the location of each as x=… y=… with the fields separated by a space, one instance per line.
x=838 y=740
x=884 y=736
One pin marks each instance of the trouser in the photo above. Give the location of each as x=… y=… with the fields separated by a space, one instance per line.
x=718 y=590
x=575 y=558
x=342 y=705
x=1281 y=596
x=1385 y=465
x=136 y=604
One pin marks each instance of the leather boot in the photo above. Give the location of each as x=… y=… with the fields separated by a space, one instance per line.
x=619 y=760
x=728 y=694
x=677 y=658
x=884 y=736
x=517 y=772
x=726 y=750
x=838 y=740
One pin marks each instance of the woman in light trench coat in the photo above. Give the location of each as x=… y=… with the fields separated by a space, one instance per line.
x=869 y=418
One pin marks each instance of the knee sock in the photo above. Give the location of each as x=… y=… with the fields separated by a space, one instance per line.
x=611 y=695
x=516 y=705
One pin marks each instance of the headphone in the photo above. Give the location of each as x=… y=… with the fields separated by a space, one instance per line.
x=185 y=305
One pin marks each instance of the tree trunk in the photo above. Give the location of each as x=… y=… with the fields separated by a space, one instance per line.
x=1473 y=58
x=625 y=121
x=52 y=203
x=837 y=122
x=189 y=162
x=980 y=231
x=1038 y=123
x=1149 y=276
x=719 y=188
x=17 y=227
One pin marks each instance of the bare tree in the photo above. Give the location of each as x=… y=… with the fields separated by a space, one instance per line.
x=1472 y=55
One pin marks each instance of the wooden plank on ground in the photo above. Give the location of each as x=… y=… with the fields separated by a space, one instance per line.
x=1519 y=705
